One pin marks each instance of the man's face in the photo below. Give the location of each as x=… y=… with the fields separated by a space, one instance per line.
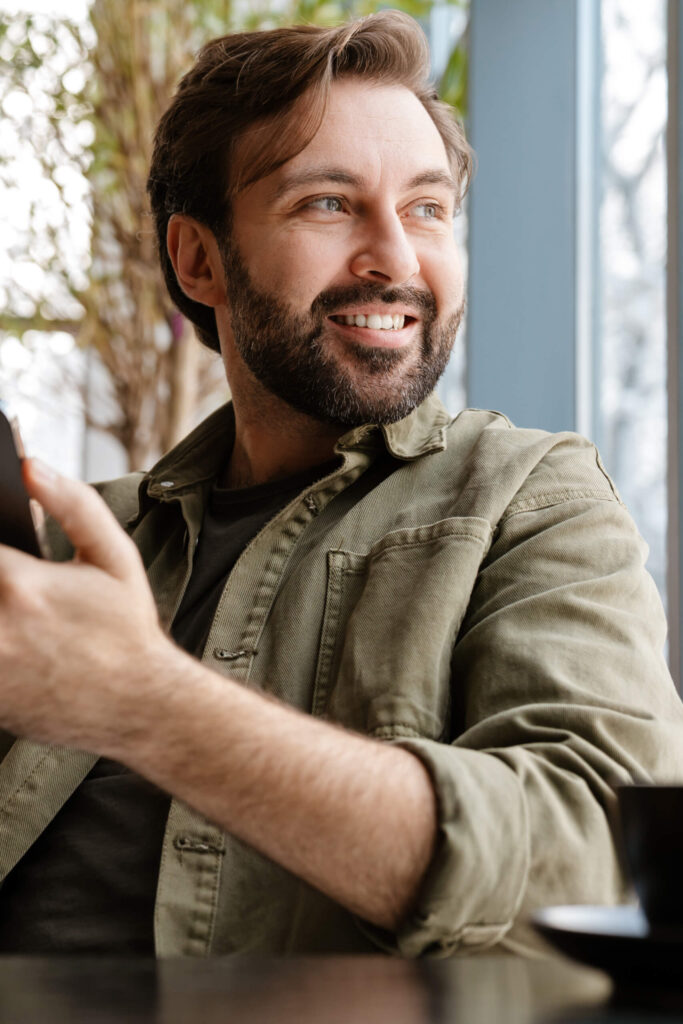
x=343 y=280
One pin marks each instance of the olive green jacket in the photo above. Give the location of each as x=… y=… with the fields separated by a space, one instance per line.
x=485 y=606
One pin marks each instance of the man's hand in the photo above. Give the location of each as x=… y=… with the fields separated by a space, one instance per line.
x=74 y=635
x=84 y=662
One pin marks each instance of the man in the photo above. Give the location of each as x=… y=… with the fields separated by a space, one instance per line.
x=418 y=653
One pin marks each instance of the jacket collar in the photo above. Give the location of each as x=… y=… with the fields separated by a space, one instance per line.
x=421 y=432
x=199 y=457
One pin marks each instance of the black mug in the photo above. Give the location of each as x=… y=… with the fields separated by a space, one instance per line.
x=652 y=832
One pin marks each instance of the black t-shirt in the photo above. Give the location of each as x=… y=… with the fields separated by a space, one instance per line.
x=88 y=883
x=233 y=518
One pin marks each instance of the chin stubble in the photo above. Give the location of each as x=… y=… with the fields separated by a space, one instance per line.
x=287 y=354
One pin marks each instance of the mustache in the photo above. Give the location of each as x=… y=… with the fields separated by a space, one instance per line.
x=348 y=295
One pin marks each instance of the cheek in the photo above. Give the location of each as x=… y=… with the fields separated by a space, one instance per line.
x=298 y=269
x=443 y=274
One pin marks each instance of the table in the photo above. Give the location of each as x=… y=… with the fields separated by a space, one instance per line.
x=492 y=989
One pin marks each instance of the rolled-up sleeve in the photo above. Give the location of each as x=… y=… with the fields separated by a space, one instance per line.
x=561 y=689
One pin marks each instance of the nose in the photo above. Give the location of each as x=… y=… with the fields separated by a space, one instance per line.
x=385 y=252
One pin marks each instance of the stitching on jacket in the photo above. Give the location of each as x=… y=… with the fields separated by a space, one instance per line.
x=403 y=545
x=12 y=798
x=606 y=475
x=460 y=534
x=544 y=500
x=208 y=878
x=398 y=729
x=496 y=413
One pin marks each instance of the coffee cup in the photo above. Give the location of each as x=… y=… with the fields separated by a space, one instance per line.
x=652 y=833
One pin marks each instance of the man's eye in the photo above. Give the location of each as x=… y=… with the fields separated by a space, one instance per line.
x=331 y=204
x=429 y=211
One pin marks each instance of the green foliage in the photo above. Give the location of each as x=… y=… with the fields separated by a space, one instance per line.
x=453 y=83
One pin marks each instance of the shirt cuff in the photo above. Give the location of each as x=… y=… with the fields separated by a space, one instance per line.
x=473 y=888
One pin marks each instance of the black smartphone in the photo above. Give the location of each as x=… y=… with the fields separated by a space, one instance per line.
x=17 y=527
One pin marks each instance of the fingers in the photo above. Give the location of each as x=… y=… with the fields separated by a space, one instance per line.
x=84 y=517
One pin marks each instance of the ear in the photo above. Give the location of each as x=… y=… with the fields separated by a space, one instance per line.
x=196 y=260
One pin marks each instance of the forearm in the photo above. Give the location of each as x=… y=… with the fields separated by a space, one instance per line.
x=85 y=664
x=354 y=817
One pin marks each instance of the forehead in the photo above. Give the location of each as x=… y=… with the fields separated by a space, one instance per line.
x=377 y=130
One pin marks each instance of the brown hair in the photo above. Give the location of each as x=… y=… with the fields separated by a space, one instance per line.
x=242 y=88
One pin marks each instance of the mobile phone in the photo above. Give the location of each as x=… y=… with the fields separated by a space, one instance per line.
x=17 y=525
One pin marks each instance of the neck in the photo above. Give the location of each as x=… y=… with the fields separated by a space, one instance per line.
x=273 y=441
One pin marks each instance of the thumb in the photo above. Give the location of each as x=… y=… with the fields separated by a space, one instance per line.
x=85 y=519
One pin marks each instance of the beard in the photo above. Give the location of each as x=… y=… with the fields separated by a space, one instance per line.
x=288 y=354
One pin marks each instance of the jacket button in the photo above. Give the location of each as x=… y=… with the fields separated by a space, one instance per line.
x=222 y=655
x=191 y=844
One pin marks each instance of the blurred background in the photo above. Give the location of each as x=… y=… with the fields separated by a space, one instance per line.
x=571 y=231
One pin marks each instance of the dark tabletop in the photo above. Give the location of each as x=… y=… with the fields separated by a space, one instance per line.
x=324 y=990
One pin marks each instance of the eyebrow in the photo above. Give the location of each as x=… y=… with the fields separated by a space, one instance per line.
x=435 y=177
x=338 y=176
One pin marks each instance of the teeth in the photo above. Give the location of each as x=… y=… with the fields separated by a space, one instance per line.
x=388 y=322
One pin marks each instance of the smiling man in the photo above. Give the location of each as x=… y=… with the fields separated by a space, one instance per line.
x=360 y=676
x=338 y=288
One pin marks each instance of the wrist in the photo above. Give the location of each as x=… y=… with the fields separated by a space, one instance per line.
x=156 y=722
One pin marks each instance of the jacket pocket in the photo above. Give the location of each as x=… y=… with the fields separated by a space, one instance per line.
x=390 y=623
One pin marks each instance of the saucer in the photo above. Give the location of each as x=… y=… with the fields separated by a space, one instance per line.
x=617 y=940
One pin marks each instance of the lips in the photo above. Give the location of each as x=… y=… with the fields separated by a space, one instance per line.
x=356 y=314
x=385 y=330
